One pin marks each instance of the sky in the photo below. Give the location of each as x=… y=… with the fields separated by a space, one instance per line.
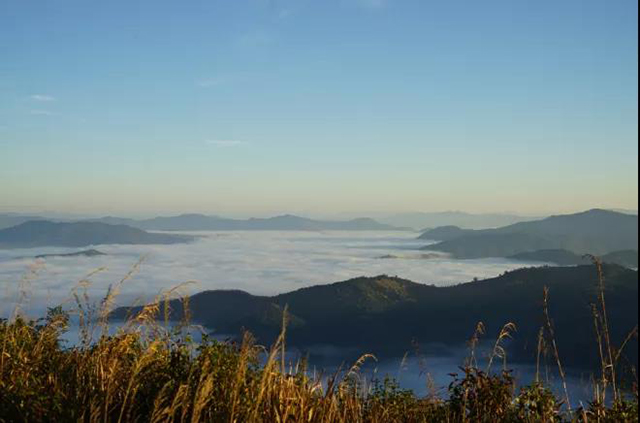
x=257 y=107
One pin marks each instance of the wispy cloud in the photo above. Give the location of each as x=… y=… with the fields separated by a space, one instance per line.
x=41 y=113
x=42 y=97
x=226 y=143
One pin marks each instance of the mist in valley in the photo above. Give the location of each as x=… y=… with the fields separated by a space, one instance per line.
x=261 y=263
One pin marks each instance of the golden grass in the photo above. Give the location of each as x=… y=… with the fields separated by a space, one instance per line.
x=149 y=372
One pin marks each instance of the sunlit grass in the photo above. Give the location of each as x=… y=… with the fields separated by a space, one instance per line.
x=150 y=371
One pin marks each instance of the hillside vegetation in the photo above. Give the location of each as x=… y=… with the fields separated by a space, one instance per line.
x=386 y=315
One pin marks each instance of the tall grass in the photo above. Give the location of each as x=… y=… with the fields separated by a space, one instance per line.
x=150 y=372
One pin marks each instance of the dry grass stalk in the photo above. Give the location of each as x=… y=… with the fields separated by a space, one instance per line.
x=145 y=373
x=554 y=345
x=499 y=351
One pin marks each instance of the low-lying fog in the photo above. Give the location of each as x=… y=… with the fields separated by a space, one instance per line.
x=263 y=263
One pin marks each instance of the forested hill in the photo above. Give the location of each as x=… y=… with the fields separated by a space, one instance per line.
x=385 y=314
x=592 y=232
x=80 y=234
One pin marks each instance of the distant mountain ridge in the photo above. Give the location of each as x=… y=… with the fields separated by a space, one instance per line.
x=199 y=222
x=445 y=233
x=420 y=220
x=592 y=232
x=559 y=257
x=8 y=220
x=83 y=253
x=42 y=233
x=383 y=314
x=626 y=258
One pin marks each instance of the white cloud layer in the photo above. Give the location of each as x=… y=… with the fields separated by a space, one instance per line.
x=42 y=97
x=264 y=263
x=41 y=113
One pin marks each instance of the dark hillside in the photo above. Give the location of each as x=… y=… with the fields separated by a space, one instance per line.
x=43 y=233
x=385 y=314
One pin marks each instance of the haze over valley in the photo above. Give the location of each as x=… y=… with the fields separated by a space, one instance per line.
x=255 y=265
x=319 y=211
x=260 y=262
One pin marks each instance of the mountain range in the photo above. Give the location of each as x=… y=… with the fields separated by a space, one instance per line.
x=595 y=231
x=8 y=220
x=192 y=221
x=626 y=258
x=42 y=233
x=83 y=253
x=199 y=222
x=384 y=315
x=420 y=220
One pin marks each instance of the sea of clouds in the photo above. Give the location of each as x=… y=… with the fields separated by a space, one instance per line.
x=262 y=263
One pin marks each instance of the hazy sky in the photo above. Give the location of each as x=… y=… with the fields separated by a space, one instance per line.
x=318 y=106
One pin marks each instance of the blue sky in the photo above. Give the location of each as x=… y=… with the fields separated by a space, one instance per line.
x=318 y=106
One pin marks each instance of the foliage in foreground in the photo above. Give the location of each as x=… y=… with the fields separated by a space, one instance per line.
x=147 y=376
x=147 y=373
